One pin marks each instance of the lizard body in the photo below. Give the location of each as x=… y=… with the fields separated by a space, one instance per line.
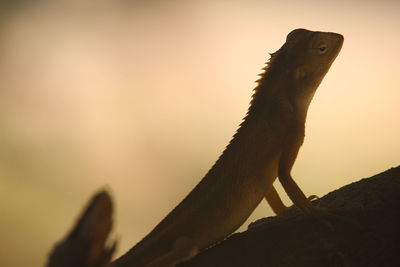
x=264 y=147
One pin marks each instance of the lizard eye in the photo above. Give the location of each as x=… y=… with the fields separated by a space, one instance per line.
x=322 y=49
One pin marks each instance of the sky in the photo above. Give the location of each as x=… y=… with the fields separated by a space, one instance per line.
x=141 y=97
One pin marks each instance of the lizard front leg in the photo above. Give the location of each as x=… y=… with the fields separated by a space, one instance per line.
x=276 y=203
x=292 y=145
x=294 y=192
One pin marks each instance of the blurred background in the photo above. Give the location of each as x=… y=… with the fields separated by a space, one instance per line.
x=141 y=97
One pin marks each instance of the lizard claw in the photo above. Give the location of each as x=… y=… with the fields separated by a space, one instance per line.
x=312 y=197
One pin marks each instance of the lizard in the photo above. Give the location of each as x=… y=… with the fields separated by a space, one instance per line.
x=264 y=148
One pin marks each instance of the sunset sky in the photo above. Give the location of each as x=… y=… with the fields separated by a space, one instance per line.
x=141 y=97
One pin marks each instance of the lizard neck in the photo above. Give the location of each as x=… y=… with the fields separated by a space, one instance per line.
x=260 y=135
x=271 y=115
x=273 y=99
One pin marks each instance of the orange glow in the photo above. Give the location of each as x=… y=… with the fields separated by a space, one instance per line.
x=144 y=97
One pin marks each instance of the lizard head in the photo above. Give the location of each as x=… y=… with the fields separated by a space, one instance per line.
x=308 y=56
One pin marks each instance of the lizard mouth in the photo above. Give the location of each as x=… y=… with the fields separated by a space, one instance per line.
x=337 y=40
x=340 y=40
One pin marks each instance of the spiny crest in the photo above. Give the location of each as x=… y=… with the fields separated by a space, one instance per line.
x=266 y=69
x=268 y=64
x=273 y=58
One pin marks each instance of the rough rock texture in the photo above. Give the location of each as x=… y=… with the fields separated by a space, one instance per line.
x=364 y=230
